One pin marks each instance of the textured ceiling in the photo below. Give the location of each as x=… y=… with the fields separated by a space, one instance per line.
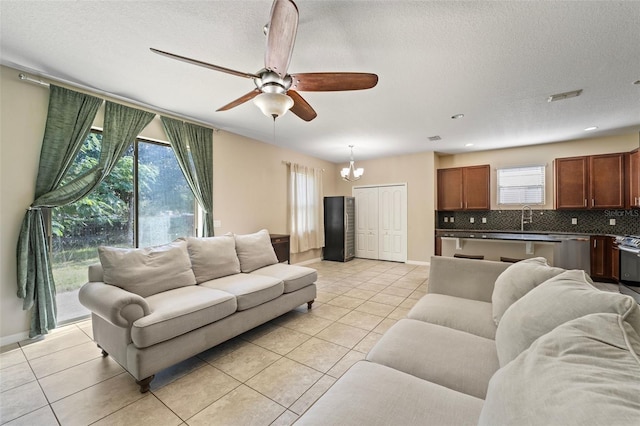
x=495 y=62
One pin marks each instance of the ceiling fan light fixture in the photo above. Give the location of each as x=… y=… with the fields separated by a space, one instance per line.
x=273 y=104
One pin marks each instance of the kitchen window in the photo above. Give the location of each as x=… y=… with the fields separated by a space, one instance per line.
x=521 y=185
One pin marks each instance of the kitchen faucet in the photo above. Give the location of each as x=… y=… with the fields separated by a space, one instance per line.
x=526 y=217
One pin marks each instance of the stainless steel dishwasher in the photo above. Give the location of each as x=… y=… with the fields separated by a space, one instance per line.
x=572 y=253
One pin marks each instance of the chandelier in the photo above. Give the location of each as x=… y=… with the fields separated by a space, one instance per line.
x=350 y=173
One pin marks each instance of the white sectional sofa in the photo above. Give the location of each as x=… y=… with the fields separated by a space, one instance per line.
x=154 y=307
x=494 y=344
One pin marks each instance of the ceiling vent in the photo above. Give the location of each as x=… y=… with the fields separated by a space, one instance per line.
x=565 y=95
x=435 y=138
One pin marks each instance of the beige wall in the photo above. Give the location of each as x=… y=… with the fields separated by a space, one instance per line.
x=418 y=172
x=538 y=155
x=249 y=183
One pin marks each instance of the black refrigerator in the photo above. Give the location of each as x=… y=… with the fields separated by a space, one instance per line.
x=339 y=228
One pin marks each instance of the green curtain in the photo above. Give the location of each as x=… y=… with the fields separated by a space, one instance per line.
x=122 y=124
x=193 y=146
x=69 y=119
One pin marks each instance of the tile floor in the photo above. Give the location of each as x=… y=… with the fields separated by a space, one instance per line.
x=267 y=376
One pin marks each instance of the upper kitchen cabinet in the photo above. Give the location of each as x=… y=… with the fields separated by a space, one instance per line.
x=464 y=188
x=634 y=178
x=591 y=182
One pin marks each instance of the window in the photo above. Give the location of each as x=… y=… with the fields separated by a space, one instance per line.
x=144 y=201
x=306 y=223
x=521 y=185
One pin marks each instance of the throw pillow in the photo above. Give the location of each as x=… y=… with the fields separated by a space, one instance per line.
x=147 y=271
x=563 y=298
x=213 y=257
x=255 y=251
x=517 y=280
x=586 y=371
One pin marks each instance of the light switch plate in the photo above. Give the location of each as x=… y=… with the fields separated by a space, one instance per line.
x=446 y=219
x=472 y=220
x=574 y=221
x=484 y=220
x=612 y=221
x=452 y=219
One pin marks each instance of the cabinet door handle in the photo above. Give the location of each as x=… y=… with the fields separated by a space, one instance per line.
x=593 y=202
x=595 y=243
x=585 y=202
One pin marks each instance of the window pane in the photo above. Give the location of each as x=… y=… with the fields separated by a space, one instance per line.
x=521 y=185
x=104 y=217
x=166 y=203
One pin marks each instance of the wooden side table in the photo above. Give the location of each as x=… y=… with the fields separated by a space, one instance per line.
x=281 y=244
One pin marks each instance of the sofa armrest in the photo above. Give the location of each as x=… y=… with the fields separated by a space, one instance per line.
x=469 y=279
x=118 y=306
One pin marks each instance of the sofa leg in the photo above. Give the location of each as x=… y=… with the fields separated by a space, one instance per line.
x=144 y=384
x=309 y=304
x=104 y=353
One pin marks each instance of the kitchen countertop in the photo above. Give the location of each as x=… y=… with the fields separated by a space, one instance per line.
x=546 y=237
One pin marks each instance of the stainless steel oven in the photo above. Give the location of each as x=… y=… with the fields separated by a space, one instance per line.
x=629 y=247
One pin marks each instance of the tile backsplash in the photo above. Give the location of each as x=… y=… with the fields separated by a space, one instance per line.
x=587 y=221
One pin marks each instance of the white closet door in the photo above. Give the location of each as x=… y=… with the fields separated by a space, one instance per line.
x=392 y=213
x=366 y=222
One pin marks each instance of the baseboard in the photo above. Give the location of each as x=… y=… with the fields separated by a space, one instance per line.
x=14 y=338
x=310 y=261
x=417 y=262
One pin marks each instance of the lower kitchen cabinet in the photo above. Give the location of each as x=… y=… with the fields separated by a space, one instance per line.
x=605 y=259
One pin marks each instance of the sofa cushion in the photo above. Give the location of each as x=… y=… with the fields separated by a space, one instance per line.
x=213 y=257
x=445 y=356
x=255 y=251
x=249 y=290
x=471 y=316
x=294 y=277
x=372 y=394
x=176 y=312
x=517 y=280
x=565 y=297
x=586 y=371
x=147 y=271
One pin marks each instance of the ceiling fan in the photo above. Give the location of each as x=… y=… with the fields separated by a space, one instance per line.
x=276 y=91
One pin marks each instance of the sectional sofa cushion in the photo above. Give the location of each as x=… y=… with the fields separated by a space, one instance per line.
x=563 y=298
x=147 y=271
x=451 y=358
x=294 y=277
x=471 y=316
x=213 y=257
x=255 y=251
x=249 y=290
x=176 y=312
x=517 y=280
x=376 y=395
x=586 y=371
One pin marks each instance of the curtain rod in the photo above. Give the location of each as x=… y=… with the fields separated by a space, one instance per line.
x=155 y=110
x=288 y=163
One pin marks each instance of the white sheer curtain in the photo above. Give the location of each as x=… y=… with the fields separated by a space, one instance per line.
x=305 y=208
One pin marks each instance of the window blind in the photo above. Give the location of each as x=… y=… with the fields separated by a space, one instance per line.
x=521 y=185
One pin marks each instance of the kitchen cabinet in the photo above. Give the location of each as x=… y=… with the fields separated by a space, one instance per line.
x=590 y=182
x=605 y=258
x=464 y=188
x=634 y=179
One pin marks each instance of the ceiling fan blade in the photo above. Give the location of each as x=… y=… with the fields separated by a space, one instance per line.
x=333 y=81
x=242 y=99
x=204 y=64
x=281 y=36
x=300 y=107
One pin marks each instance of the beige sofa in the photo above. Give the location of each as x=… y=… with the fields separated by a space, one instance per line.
x=154 y=307
x=493 y=344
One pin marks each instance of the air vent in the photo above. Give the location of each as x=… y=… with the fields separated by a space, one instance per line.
x=435 y=138
x=565 y=95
